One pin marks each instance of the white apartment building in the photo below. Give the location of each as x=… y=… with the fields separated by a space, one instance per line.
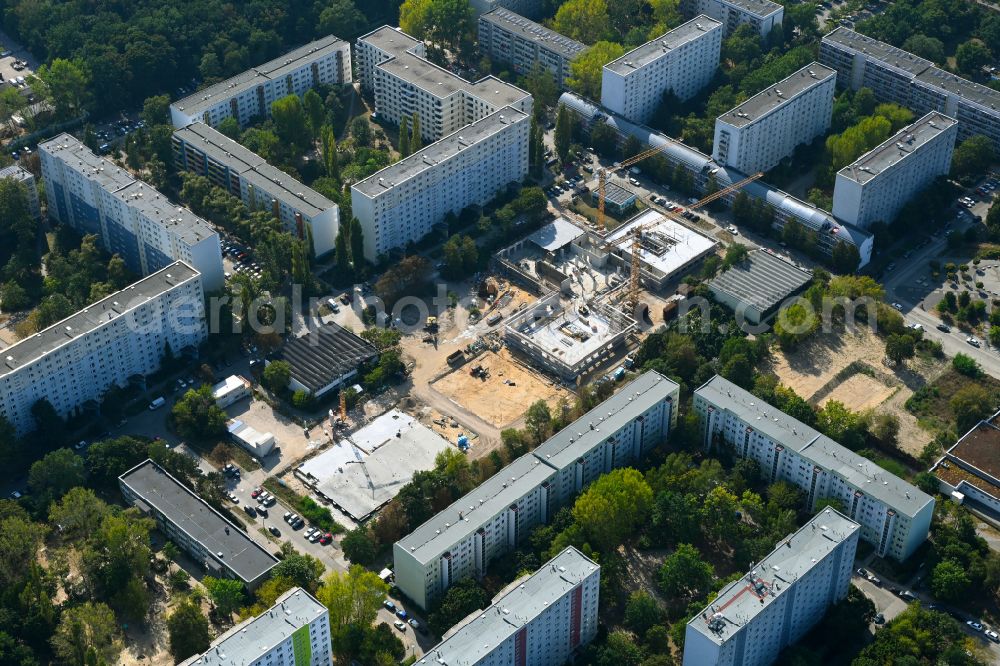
x=510 y=38
x=22 y=175
x=895 y=75
x=491 y=520
x=682 y=61
x=391 y=63
x=894 y=515
x=760 y=132
x=131 y=218
x=401 y=203
x=250 y=94
x=783 y=596
x=103 y=345
x=538 y=620
x=762 y=15
x=304 y=212
x=522 y=7
x=876 y=186
x=295 y=631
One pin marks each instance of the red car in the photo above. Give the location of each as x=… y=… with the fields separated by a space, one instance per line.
x=326 y=538
x=256 y=491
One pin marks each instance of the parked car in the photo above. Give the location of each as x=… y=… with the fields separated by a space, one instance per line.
x=898 y=306
x=399 y=625
x=256 y=492
x=974 y=625
x=863 y=573
x=274 y=530
x=874 y=580
x=416 y=625
x=325 y=539
x=250 y=511
x=880 y=619
x=233 y=498
x=389 y=606
x=262 y=510
x=401 y=613
x=79 y=446
x=944 y=328
x=972 y=341
x=993 y=636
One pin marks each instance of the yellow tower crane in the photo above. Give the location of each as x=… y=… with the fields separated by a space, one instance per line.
x=636 y=236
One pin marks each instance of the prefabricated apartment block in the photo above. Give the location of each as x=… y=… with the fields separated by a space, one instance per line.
x=510 y=38
x=682 y=61
x=762 y=15
x=895 y=516
x=249 y=95
x=492 y=519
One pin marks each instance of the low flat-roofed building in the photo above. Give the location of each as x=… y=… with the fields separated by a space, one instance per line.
x=667 y=249
x=250 y=94
x=683 y=61
x=754 y=618
x=895 y=516
x=617 y=198
x=256 y=443
x=757 y=134
x=295 y=631
x=365 y=470
x=325 y=358
x=971 y=467
x=876 y=186
x=230 y=390
x=206 y=535
x=539 y=620
x=555 y=235
x=511 y=38
x=23 y=176
x=756 y=287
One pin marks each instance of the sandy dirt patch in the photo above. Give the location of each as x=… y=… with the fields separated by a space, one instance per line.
x=859 y=392
x=810 y=366
x=494 y=400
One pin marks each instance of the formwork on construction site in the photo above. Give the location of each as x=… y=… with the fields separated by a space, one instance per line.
x=568 y=338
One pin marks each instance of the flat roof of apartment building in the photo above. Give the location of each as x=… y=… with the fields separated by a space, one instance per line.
x=819 y=449
x=971 y=91
x=978 y=449
x=197 y=102
x=438 y=152
x=466 y=515
x=762 y=280
x=653 y=50
x=94 y=316
x=233 y=548
x=887 y=53
x=897 y=148
x=71 y=150
x=535 y=32
x=579 y=437
x=16 y=172
x=389 y=39
x=441 y=83
x=759 y=8
x=741 y=601
x=256 y=636
x=480 y=634
x=254 y=168
x=782 y=92
x=177 y=219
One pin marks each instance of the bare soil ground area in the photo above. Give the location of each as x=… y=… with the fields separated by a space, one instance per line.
x=813 y=364
x=495 y=399
x=860 y=392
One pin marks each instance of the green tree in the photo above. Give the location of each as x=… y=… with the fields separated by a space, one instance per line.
x=972 y=157
x=404 y=137
x=899 y=347
x=918 y=636
x=586 y=68
x=352 y=597
x=685 y=575
x=359 y=545
x=230 y=127
x=586 y=21
x=328 y=149
x=970 y=57
x=187 y=629
x=291 y=123
x=949 y=581
x=845 y=257
x=642 y=612
x=156 y=110
x=925 y=47
x=277 y=375
x=416 y=137
x=564 y=133
x=89 y=625
x=78 y=514
x=464 y=597
x=302 y=570
x=51 y=477
x=970 y=404
x=357 y=238
x=542 y=85
x=619 y=649
x=118 y=553
x=197 y=416
x=538 y=421
x=966 y=365
x=68 y=84
x=226 y=594
x=613 y=508
x=315 y=111
x=736 y=253
x=20 y=540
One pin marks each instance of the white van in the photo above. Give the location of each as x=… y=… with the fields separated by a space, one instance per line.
x=156 y=404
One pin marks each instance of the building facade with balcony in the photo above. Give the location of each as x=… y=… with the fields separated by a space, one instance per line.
x=511 y=38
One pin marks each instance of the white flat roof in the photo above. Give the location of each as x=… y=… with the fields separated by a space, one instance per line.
x=681 y=245
x=556 y=234
x=368 y=468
